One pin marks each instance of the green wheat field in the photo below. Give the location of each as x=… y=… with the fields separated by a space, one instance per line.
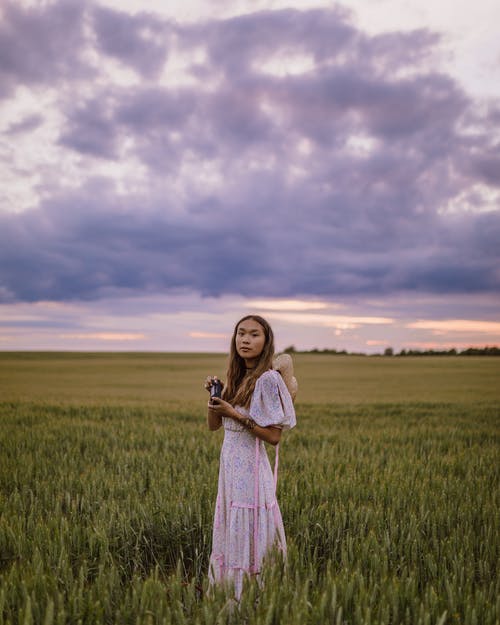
x=388 y=487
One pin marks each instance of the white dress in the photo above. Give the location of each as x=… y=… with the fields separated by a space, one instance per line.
x=247 y=517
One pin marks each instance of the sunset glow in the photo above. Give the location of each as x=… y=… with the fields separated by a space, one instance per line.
x=104 y=336
x=458 y=325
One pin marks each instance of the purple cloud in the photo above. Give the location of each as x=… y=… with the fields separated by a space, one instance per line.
x=31 y=122
x=335 y=180
x=41 y=45
x=140 y=41
x=90 y=129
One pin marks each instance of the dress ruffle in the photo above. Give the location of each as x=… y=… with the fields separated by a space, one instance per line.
x=233 y=549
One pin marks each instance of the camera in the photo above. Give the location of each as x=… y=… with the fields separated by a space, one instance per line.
x=216 y=388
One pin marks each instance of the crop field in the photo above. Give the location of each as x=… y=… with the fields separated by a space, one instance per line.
x=388 y=487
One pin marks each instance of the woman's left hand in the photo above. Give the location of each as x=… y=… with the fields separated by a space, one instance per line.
x=223 y=408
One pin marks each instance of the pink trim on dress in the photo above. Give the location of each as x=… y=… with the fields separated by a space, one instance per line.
x=276 y=466
x=251 y=506
x=256 y=507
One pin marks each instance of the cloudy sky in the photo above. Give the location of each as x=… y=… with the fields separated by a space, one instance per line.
x=167 y=167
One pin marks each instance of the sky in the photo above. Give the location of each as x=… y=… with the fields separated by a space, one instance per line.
x=168 y=167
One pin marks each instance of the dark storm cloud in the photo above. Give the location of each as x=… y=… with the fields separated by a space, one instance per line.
x=104 y=242
x=58 y=254
x=333 y=177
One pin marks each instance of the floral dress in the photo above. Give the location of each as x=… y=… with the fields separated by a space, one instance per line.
x=247 y=519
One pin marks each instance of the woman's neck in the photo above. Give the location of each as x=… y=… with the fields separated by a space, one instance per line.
x=250 y=364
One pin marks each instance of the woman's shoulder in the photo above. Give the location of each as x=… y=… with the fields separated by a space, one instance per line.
x=270 y=376
x=268 y=382
x=271 y=402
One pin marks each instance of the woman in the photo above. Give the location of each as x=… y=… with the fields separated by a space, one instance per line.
x=256 y=406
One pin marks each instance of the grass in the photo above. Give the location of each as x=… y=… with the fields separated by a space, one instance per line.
x=388 y=489
x=156 y=378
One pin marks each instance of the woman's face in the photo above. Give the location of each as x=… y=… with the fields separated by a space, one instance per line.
x=250 y=340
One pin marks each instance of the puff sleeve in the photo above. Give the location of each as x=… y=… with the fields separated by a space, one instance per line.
x=271 y=402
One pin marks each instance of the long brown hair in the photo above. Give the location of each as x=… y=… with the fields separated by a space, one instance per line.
x=240 y=383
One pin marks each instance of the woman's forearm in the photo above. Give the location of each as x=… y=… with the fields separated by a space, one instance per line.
x=269 y=434
x=214 y=421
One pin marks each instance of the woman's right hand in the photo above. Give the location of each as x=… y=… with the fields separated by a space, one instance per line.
x=222 y=408
x=209 y=381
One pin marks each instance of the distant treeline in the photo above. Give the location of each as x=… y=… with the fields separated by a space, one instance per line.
x=470 y=351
